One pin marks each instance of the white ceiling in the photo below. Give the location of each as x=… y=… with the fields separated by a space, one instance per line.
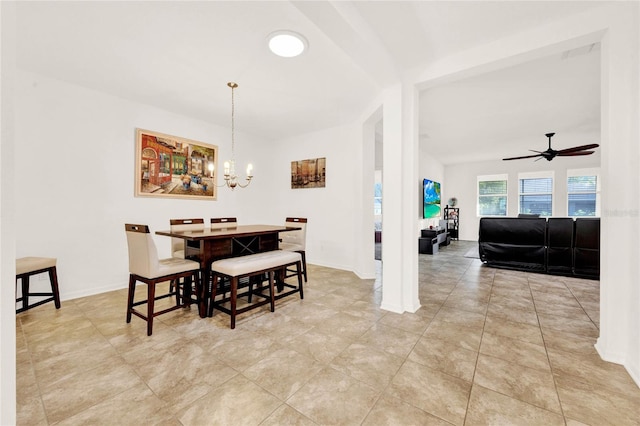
x=180 y=55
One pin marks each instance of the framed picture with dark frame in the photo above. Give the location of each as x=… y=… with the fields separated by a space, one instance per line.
x=174 y=167
x=309 y=173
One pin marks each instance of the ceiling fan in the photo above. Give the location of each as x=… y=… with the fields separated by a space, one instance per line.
x=550 y=154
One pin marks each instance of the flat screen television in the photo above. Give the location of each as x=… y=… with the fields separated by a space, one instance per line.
x=430 y=198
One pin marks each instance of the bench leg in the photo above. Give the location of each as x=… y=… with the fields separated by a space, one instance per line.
x=53 y=277
x=271 y=292
x=25 y=292
x=214 y=287
x=234 y=297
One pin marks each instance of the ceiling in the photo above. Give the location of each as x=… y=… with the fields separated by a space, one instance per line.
x=180 y=55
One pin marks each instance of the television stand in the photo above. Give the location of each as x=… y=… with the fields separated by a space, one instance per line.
x=432 y=239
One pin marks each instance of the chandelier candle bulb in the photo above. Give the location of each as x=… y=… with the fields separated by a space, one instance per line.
x=249 y=169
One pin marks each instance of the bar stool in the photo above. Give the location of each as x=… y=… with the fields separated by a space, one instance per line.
x=27 y=266
x=144 y=266
x=179 y=247
x=295 y=241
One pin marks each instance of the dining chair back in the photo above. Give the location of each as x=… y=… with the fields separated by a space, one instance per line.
x=177 y=244
x=223 y=222
x=296 y=240
x=146 y=267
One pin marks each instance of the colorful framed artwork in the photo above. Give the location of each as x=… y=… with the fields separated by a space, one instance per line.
x=308 y=173
x=174 y=167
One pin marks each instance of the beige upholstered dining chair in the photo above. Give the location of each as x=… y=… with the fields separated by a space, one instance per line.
x=177 y=244
x=223 y=222
x=144 y=266
x=296 y=240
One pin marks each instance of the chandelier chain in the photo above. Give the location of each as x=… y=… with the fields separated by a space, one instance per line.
x=233 y=121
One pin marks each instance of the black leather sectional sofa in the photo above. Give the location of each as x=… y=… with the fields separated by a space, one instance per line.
x=559 y=246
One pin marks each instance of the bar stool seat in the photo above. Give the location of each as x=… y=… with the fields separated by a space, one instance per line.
x=28 y=266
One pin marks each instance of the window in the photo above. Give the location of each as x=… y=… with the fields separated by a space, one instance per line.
x=492 y=195
x=583 y=192
x=535 y=192
x=377 y=199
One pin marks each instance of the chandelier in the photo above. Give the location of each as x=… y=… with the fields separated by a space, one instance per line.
x=230 y=177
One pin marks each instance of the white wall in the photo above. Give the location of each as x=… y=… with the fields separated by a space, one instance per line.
x=331 y=210
x=74 y=178
x=461 y=182
x=75 y=162
x=7 y=216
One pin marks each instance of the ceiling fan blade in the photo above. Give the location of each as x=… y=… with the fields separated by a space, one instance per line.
x=570 y=154
x=579 y=148
x=519 y=158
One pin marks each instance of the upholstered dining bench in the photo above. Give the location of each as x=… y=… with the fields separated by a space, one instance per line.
x=28 y=266
x=252 y=265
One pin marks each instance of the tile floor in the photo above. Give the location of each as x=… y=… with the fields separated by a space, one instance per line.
x=488 y=347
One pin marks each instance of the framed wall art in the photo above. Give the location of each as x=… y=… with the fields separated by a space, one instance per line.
x=308 y=173
x=174 y=167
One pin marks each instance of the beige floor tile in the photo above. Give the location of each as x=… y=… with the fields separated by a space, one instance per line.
x=567 y=299
x=525 y=384
x=306 y=311
x=285 y=415
x=237 y=402
x=446 y=357
x=390 y=411
x=465 y=337
x=367 y=310
x=334 y=357
x=516 y=351
x=29 y=406
x=562 y=311
x=461 y=317
x=595 y=405
x=593 y=370
x=242 y=351
x=412 y=323
x=514 y=315
x=368 y=364
x=137 y=405
x=334 y=398
x=319 y=345
x=487 y=407
x=283 y=372
x=471 y=305
x=346 y=325
x=569 y=342
x=514 y=330
x=78 y=391
x=517 y=301
x=433 y=391
x=390 y=339
x=569 y=325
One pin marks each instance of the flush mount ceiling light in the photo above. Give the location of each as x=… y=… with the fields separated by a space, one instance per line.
x=287 y=44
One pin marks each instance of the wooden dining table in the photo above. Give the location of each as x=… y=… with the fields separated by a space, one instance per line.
x=208 y=245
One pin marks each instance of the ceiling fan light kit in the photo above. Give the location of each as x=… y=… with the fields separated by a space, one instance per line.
x=550 y=153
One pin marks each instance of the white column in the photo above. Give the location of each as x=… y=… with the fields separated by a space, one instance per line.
x=619 y=339
x=7 y=223
x=399 y=208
